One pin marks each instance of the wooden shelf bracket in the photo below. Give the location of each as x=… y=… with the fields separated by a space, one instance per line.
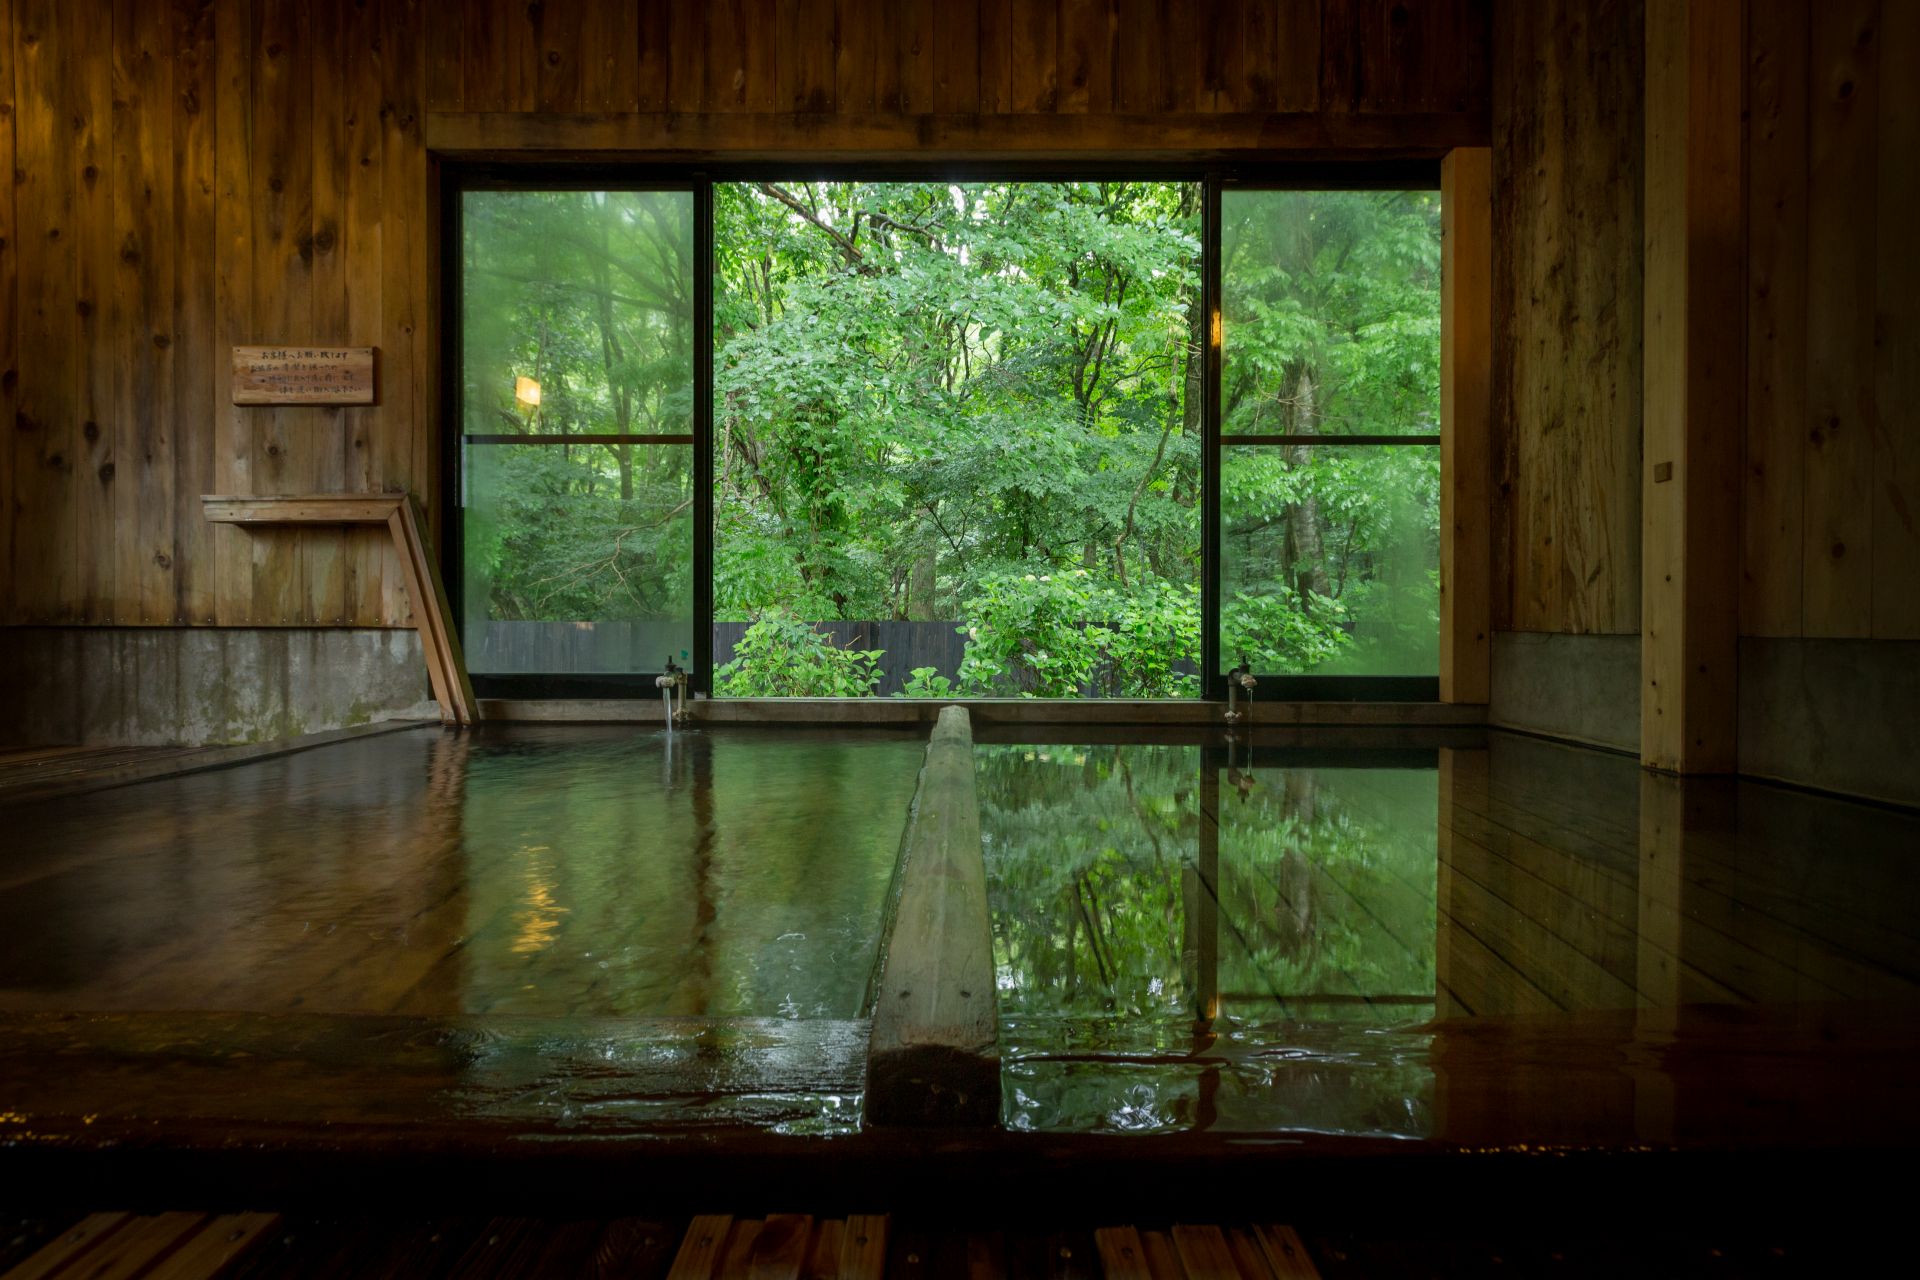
x=446 y=667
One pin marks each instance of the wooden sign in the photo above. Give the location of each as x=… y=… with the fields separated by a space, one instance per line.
x=303 y=375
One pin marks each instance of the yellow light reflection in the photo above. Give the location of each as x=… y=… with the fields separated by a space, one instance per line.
x=539 y=918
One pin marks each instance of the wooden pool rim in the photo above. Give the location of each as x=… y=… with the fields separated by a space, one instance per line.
x=933 y=1056
x=829 y=712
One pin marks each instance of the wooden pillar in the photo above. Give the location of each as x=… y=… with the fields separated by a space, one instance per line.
x=1694 y=381
x=1660 y=923
x=1466 y=380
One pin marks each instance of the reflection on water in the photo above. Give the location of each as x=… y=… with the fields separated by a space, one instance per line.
x=1326 y=892
x=1169 y=959
x=1524 y=943
x=523 y=870
x=1086 y=850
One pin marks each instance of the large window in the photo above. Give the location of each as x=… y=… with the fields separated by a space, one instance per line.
x=854 y=437
x=576 y=455
x=1330 y=420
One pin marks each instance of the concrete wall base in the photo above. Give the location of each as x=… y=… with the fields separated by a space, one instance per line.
x=1581 y=688
x=1839 y=715
x=181 y=686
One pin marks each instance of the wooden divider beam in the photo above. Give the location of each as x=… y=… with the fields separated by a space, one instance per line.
x=934 y=1058
x=446 y=667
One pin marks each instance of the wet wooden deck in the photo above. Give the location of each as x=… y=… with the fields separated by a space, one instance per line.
x=36 y=773
x=44 y=772
x=259 y=1246
x=1639 y=981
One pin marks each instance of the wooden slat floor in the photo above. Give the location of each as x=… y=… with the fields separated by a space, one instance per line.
x=28 y=773
x=42 y=772
x=256 y=1246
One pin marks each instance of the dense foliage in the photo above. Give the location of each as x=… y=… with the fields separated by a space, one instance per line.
x=973 y=402
x=590 y=295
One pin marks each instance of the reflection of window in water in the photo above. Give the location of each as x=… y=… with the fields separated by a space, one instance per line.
x=1086 y=850
x=1327 y=881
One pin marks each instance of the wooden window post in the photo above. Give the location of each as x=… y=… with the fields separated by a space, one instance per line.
x=1466 y=378
x=1693 y=384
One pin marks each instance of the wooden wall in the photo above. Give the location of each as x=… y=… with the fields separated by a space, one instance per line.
x=191 y=174
x=962 y=57
x=1568 y=140
x=1831 y=508
x=1830 y=501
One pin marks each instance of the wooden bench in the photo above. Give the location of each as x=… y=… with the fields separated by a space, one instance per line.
x=446 y=668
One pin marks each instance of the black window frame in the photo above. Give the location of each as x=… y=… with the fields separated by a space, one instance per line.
x=1269 y=686
x=457 y=179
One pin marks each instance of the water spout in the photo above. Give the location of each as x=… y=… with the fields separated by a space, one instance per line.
x=1240 y=683
x=674 y=679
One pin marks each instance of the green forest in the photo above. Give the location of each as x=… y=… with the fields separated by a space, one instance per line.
x=977 y=404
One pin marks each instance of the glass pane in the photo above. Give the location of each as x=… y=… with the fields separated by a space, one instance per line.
x=1331 y=312
x=1330 y=559
x=578 y=558
x=957 y=438
x=577 y=321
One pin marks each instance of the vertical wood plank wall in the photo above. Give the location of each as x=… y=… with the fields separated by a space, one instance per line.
x=191 y=174
x=1830 y=475
x=1831 y=501
x=1568 y=132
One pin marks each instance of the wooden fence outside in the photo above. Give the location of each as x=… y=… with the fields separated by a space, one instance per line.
x=501 y=648
x=600 y=647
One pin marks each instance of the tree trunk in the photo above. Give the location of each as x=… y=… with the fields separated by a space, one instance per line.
x=920 y=587
x=1303 y=518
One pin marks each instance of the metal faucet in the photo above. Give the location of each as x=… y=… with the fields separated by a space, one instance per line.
x=1239 y=681
x=674 y=679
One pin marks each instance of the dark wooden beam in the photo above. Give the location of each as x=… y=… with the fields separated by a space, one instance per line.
x=670 y=137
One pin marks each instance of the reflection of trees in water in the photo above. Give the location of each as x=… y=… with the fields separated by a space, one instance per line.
x=1085 y=849
x=1325 y=879
x=1291 y=929
x=1332 y=872
x=1325 y=884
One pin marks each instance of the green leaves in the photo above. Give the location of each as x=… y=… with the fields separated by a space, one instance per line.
x=782 y=657
x=985 y=390
x=1062 y=635
x=927 y=682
